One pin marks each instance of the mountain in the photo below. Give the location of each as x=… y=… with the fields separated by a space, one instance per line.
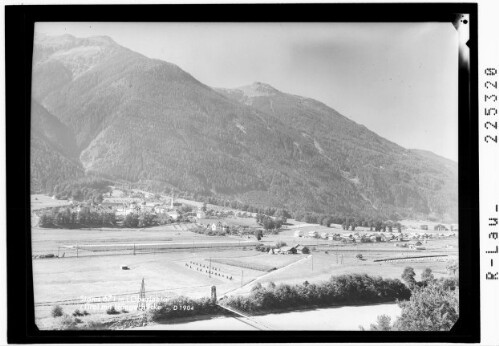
x=139 y=119
x=54 y=155
x=383 y=172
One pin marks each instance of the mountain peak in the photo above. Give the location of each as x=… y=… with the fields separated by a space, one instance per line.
x=101 y=40
x=259 y=89
x=67 y=41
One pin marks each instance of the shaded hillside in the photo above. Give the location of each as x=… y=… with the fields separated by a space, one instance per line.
x=383 y=173
x=54 y=156
x=141 y=119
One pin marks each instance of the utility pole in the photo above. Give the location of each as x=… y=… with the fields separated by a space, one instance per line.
x=134 y=249
x=142 y=297
x=242 y=276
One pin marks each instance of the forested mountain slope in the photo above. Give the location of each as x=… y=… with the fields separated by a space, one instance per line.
x=136 y=119
x=383 y=172
x=54 y=156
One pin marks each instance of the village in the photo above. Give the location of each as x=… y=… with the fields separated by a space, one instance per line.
x=214 y=220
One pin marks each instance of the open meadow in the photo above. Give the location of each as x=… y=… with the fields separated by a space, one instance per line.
x=73 y=282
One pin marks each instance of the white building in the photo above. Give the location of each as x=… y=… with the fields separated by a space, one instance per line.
x=201 y=214
x=173 y=214
x=313 y=234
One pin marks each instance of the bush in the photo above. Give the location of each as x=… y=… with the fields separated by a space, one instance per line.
x=78 y=313
x=383 y=323
x=305 y=250
x=68 y=322
x=112 y=311
x=264 y=248
x=449 y=283
x=427 y=276
x=280 y=244
x=183 y=307
x=93 y=325
x=409 y=276
x=256 y=287
x=432 y=308
x=57 y=311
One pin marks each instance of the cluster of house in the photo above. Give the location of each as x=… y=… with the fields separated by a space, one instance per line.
x=218 y=226
x=288 y=250
x=373 y=237
x=125 y=207
x=214 y=213
x=440 y=227
x=129 y=207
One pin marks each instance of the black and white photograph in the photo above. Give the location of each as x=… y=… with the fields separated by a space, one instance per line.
x=262 y=176
x=245 y=176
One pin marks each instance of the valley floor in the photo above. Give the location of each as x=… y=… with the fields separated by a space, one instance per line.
x=95 y=280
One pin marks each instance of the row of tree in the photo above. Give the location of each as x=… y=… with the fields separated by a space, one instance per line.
x=339 y=290
x=89 y=217
x=68 y=218
x=349 y=223
x=270 y=211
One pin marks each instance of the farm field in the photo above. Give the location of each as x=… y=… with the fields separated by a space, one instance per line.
x=325 y=267
x=50 y=240
x=69 y=281
x=321 y=266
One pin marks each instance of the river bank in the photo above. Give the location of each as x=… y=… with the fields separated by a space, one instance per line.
x=331 y=318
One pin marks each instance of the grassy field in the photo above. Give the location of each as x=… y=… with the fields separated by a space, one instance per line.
x=70 y=281
x=49 y=240
x=321 y=266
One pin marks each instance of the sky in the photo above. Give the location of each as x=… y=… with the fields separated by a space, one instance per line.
x=398 y=79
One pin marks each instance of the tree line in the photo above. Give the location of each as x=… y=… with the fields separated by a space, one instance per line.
x=68 y=218
x=65 y=217
x=338 y=290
